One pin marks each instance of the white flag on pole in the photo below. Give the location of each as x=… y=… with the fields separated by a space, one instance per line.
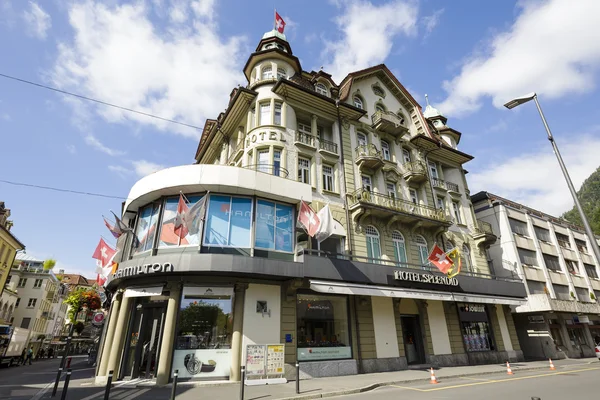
x=327 y=224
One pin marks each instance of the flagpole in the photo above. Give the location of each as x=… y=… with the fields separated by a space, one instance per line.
x=274 y=18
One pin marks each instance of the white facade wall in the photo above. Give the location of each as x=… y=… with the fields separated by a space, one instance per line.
x=261 y=328
x=384 y=324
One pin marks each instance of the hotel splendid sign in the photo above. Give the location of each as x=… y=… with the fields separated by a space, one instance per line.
x=424 y=278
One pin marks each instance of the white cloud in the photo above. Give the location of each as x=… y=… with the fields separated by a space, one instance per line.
x=37 y=20
x=368 y=32
x=552 y=48
x=143 y=167
x=123 y=54
x=431 y=21
x=95 y=143
x=71 y=149
x=534 y=178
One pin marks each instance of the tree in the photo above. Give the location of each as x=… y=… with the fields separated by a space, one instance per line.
x=49 y=264
x=589 y=197
x=80 y=298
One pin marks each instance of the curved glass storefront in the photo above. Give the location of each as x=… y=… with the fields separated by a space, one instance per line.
x=231 y=224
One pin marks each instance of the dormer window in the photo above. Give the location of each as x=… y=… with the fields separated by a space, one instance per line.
x=281 y=73
x=321 y=89
x=358 y=103
x=266 y=73
x=378 y=91
x=379 y=107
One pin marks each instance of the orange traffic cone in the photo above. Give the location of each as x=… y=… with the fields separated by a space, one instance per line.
x=508 y=370
x=433 y=378
x=551 y=365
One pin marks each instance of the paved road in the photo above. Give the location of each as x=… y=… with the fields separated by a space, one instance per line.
x=579 y=382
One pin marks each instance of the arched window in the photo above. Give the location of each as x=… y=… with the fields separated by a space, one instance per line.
x=422 y=247
x=321 y=89
x=401 y=116
x=373 y=247
x=281 y=74
x=378 y=91
x=358 y=103
x=399 y=247
x=385 y=150
x=267 y=72
x=466 y=258
x=10 y=313
x=405 y=156
x=5 y=311
x=379 y=107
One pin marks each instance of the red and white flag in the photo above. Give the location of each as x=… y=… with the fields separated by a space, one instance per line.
x=179 y=227
x=103 y=253
x=308 y=219
x=440 y=259
x=279 y=23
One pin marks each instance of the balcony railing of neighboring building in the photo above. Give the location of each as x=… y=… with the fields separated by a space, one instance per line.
x=328 y=146
x=389 y=122
x=543 y=302
x=270 y=169
x=396 y=204
x=483 y=227
x=368 y=150
x=442 y=184
x=396 y=264
x=306 y=139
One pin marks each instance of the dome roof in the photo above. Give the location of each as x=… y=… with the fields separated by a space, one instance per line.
x=431 y=112
x=274 y=33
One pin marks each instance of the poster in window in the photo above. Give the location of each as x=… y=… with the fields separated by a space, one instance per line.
x=228 y=221
x=255 y=360
x=265 y=226
x=284 y=223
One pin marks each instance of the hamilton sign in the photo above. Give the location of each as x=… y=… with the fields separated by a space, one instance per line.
x=424 y=278
x=143 y=269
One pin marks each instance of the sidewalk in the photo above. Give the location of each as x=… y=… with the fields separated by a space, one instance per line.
x=342 y=385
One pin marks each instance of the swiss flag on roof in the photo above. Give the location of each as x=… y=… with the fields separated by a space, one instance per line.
x=279 y=23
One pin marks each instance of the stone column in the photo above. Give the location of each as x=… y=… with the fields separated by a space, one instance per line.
x=166 y=347
x=110 y=334
x=238 y=329
x=116 y=349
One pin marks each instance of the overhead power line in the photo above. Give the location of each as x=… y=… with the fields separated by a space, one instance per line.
x=63 y=190
x=98 y=101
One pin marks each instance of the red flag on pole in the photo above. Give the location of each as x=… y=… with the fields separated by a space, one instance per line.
x=279 y=23
x=440 y=259
x=179 y=227
x=103 y=253
x=308 y=219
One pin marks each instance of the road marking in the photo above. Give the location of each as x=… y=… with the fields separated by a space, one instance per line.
x=495 y=381
x=136 y=394
x=100 y=394
x=473 y=379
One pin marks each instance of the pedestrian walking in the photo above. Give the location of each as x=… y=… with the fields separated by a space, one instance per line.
x=50 y=352
x=23 y=356
x=30 y=355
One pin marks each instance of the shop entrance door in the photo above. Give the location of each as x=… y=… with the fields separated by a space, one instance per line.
x=143 y=347
x=577 y=339
x=413 y=343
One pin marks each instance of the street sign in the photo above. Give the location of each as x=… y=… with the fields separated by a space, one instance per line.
x=98 y=318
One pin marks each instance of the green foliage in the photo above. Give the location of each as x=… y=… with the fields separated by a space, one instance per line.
x=49 y=264
x=589 y=197
x=80 y=298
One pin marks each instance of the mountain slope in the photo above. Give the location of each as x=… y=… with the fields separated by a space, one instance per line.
x=589 y=197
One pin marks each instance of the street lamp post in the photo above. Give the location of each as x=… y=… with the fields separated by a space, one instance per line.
x=588 y=230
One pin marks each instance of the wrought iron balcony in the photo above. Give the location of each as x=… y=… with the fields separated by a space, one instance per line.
x=305 y=139
x=445 y=185
x=414 y=171
x=389 y=122
x=328 y=146
x=405 y=210
x=368 y=157
x=269 y=169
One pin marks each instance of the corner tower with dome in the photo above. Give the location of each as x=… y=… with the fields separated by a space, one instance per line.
x=365 y=299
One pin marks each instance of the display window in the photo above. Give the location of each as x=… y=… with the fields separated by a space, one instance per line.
x=476 y=328
x=323 y=327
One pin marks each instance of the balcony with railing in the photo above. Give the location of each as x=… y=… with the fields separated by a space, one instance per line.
x=368 y=157
x=414 y=172
x=483 y=234
x=271 y=169
x=543 y=302
x=305 y=140
x=328 y=146
x=444 y=185
x=384 y=206
x=388 y=122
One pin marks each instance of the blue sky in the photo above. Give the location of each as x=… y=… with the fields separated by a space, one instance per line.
x=180 y=60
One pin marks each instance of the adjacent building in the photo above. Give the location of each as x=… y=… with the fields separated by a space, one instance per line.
x=39 y=306
x=554 y=258
x=364 y=300
x=9 y=246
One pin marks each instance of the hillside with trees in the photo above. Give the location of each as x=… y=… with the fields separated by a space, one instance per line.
x=589 y=197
